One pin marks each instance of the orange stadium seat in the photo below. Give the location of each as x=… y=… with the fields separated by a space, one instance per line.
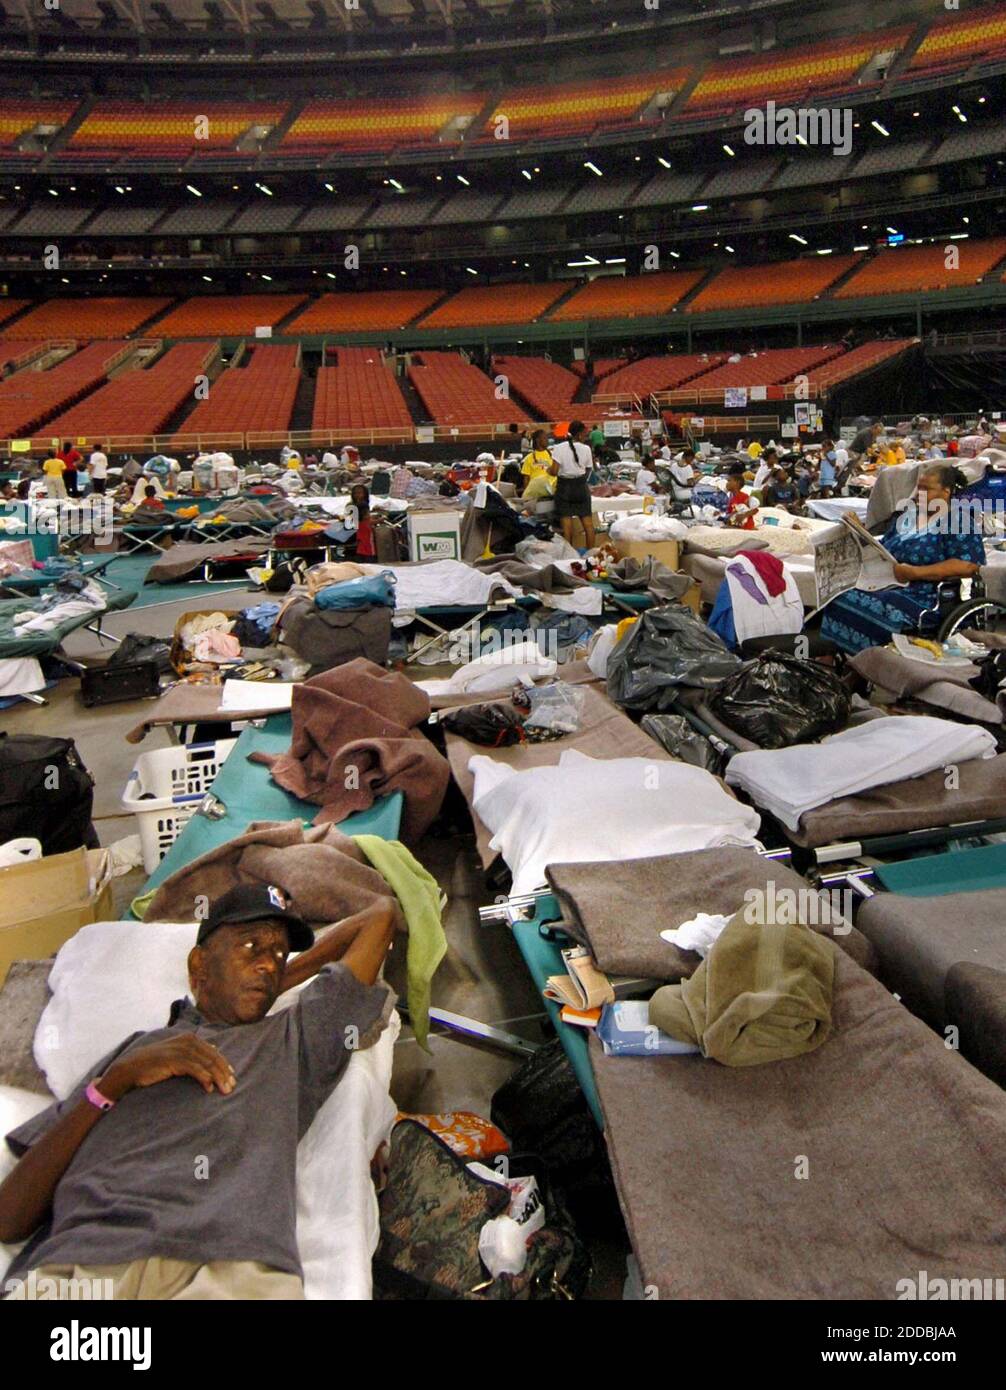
x=961 y=39
x=786 y=282
x=547 y=386
x=857 y=360
x=913 y=269
x=776 y=367
x=790 y=73
x=18 y=352
x=456 y=393
x=88 y=318
x=363 y=313
x=10 y=307
x=29 y=399
x=256 y=396
x=227 y=316
x=359 y=393
x=170 y=128
x=631 y=296
x=495 y=304
x=651 y=374
x=574 y=107
x=137 y=402
x=363 y=124
x=18 y=117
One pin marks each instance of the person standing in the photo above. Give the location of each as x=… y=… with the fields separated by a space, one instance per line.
x=572 y=462
x=53 y=472
x=97 y=467
x=72 y=459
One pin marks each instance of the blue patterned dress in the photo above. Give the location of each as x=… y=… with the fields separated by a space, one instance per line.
x=857 y=619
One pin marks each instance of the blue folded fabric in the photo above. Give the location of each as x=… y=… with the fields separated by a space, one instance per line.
x=367 y=592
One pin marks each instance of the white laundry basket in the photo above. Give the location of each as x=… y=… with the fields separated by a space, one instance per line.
x=164 y=789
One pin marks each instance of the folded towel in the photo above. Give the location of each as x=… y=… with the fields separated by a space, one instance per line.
x=761 y=995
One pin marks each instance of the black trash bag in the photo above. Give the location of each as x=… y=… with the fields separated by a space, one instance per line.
x=669 y=647
x=495 y=726
x=780 y=699
x=674 y=733
x=46 y=792
x=137 y=646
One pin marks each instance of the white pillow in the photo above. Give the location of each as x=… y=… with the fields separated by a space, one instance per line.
x=501 y=669
x=116 y=978
x=590 y=810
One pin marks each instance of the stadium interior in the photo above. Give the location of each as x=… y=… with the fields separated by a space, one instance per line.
x=244 y=241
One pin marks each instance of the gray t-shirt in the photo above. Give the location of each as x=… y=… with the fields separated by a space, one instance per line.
x=174 y=1172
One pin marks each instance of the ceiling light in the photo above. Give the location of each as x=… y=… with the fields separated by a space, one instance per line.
x=53 y=192
x=330 y=274
x=894 y=231
x=614 y=260
x=825 y=252
x=794 y=237
x=462 y=179
x=330 y=187
x=675 y=254
x=730 y=249
x=470 y=270
x=267 y=277
x=208 y=279
x=959 y=236
x=589 y=164
x=590 y=260
x=883 y=129
x=395 y=184
x=194 y=191
x=527 y=174
x=959 y=114
x=701 y=207
x=665 y=162
x=266 y=191
x=860 y=248
x=730 y=152
x=119 y=188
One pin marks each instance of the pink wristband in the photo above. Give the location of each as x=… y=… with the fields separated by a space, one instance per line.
x=99 y=1101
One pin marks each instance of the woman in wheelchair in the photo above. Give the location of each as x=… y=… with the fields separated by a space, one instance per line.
x=932 y=542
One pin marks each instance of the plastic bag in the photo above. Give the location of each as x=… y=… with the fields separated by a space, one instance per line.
x=674 y=733
x=137 y=646
x=493 y=726
x=781 y=699
x=667 y=648
x=555 y=708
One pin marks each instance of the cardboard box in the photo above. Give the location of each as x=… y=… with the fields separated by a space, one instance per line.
x=668 y=552
x=435 y=536
x=45 y=901
x=692 y=598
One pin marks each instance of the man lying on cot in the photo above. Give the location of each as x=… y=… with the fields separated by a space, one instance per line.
x=170 y=1168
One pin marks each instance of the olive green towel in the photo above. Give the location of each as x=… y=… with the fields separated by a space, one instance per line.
x=761 y=995
x=419 y=895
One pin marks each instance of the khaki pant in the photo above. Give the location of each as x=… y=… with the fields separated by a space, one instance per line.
x=176 y=1280
x=54 y=487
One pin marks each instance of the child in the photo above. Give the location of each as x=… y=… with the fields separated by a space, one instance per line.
x=359 y=498
x=151 y=499
x=741 y=507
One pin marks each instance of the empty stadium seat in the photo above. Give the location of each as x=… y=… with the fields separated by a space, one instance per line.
x=370 y=124
x=961 y=39
x=256 y=396
x=456 y=393
x=547 y=386
x=170 y=129
x=629 y=296
x=789 y=73
x=137 y=402
x=650 y=374
x=376 y=311
x=495 y=304
x=913 y=269
x=17 y=118
x=31 y=398
x=776 y=367
x=570 y=108
x=227 y=316
x=358 y=394
x=101 y=317
x=786 y=282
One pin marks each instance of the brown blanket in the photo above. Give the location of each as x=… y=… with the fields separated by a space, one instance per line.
x=605 y=732
x=916 y=804
x=354 y=740
x=834 y=1175
x=323 y=872
x=182 y=560
x=601 y=906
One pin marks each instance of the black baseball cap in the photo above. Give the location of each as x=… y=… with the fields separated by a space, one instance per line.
x=256 y=902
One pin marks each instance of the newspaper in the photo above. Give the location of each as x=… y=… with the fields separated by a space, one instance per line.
x=847 y=557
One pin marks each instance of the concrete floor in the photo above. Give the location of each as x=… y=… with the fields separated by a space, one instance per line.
x=482 y=975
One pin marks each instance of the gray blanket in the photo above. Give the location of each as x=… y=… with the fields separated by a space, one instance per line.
x=602 y=906
x=893 y=485
x=944 y=689
x=920 y=940
x=649 y=576
x=834 y=1175
x=183 y=560
x=919 y=803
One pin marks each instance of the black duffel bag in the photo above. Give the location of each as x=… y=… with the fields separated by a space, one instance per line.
x=46 y=792
x=781 y=699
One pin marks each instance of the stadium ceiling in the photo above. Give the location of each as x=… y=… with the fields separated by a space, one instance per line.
x=402 y=18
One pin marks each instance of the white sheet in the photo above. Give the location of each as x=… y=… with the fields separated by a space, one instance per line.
x=781 y=614
x=442 y=584
x=142 y=969
x=791 y=781
x=589 y=810
x=834 y=508
x=248 y=695
x=20 y=675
